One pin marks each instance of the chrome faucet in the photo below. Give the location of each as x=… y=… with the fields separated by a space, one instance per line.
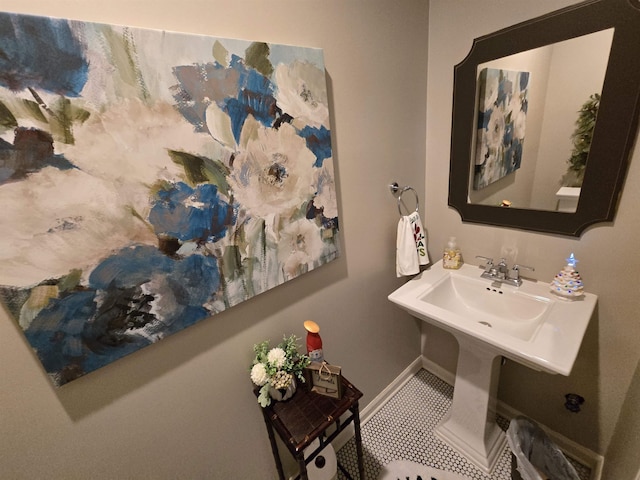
x=501 y=273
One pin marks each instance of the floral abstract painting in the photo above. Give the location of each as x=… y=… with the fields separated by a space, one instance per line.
x=150 y=180
x=502 y=113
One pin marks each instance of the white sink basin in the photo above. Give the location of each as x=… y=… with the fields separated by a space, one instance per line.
x=527 y=324
x=511 y=311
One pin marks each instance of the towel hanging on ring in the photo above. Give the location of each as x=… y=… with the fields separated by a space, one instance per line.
x=411 y=245
x=407 y=260
x=420 y=238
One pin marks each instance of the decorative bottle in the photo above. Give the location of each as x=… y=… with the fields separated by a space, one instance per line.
x=314 y=342
x=452 y=257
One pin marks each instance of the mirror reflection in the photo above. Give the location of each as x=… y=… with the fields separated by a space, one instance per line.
x=533 y=133
x=538 y=158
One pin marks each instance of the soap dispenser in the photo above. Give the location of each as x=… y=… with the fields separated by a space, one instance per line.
x=452 y=257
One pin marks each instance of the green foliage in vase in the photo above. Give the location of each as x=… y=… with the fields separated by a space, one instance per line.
x=276 y=367
x=581 y=139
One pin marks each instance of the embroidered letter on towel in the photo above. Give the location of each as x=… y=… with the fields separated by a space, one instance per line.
x=420 y=238
x=407 y=261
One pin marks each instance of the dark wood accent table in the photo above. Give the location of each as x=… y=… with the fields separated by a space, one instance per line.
x=305 y=417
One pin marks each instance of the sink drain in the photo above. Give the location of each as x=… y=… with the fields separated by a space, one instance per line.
x=487 y=324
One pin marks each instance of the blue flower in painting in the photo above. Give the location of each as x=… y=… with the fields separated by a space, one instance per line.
x=41 y=53
x=148 y=286
x=238 y=90
x=255 y=97
x=56 y=333
x=505 y=91
x=483 y=119
x=196 y=277
x=190 y=280
x=523 y=78
x=318 y=141
x=32 y=150
x=507 y=139
x=129 y=267
x=135 y=297
x=191 y=214
x=513 y=156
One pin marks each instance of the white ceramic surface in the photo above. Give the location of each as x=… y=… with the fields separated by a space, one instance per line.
x=527 y=324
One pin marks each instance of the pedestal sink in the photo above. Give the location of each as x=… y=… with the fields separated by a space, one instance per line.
x=527 y=324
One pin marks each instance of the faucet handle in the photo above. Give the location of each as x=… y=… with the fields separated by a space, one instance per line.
x=518 y=267
x=515 y=272
x=489 y=264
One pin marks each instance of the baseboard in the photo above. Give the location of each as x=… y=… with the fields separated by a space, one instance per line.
x=378 y=402
x=582 y=454
x=438 y=371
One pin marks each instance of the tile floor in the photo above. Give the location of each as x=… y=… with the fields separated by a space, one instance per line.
x=403 y=430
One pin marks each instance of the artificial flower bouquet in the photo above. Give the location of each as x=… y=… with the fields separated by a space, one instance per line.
x=276 y=368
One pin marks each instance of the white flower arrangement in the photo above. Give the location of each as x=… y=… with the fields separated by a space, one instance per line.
x=277 y=367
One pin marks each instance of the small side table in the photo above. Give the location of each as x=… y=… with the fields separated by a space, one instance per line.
x=305 y=417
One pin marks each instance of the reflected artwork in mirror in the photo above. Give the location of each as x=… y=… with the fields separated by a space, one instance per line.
x=580 y=105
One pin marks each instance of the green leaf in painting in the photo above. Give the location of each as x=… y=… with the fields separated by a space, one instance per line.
x=201 y=169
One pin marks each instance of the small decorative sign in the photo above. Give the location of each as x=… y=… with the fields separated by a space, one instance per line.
x=324 y=379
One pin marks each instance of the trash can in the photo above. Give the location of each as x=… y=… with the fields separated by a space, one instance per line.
x=534 y=456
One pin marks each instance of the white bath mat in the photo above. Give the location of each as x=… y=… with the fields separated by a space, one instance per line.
x=405 y=470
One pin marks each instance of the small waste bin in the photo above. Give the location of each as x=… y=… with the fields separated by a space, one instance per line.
x=534 y=455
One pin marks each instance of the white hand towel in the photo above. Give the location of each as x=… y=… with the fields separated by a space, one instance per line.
x=407 y=261
x=420 y=237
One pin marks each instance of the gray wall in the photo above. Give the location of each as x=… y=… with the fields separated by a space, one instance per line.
x=609 y=261
x=184 y=408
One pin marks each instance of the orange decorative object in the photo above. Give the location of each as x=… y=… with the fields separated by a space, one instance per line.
x=314 y=342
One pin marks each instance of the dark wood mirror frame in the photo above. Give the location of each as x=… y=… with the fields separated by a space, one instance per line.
x=616 y=126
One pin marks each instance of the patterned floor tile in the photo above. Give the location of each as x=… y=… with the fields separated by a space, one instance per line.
x=403 y=430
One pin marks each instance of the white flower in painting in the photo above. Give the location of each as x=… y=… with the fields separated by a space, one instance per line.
x=519 y=118
x=326 y=190
x=482 y=151
x=58 y=220
x=494 y=167
x=302 y=93
x=219 y=125
x=273 y=173
x=259 y=374
x=276 y=357
x=496 y=128
x=128 y=145
x=300 y=247
x=491 y=91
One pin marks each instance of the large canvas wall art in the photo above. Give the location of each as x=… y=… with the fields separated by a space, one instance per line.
x=502 y=114
x=150 y=180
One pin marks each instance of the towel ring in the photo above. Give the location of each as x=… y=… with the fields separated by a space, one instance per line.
x=400 y=203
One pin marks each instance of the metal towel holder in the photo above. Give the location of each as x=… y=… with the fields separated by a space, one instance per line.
x=395 y=189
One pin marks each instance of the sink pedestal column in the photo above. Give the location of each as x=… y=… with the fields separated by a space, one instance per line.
x=470 y=425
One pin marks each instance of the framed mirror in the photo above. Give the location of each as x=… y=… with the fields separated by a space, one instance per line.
x=545 y=115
